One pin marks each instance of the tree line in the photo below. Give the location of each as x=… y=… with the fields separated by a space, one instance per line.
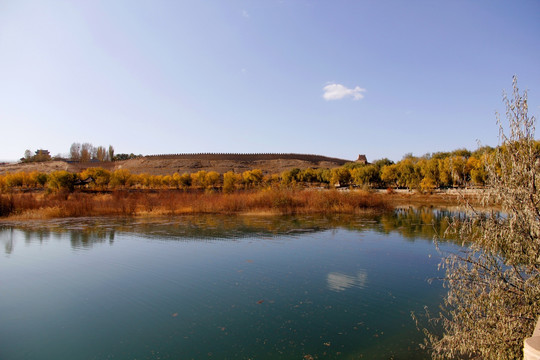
x=459 y=168
x=84 y=152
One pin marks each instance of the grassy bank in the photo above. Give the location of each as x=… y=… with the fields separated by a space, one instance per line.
x=36 y=205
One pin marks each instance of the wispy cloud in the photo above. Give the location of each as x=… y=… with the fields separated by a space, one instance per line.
x=245 y=14
x=338 y=91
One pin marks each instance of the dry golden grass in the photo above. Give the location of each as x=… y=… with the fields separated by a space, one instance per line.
x=174 y=202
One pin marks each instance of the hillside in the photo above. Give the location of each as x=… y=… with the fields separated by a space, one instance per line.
x=169 y=164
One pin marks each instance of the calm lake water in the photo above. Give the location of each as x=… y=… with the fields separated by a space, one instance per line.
x=218 y=287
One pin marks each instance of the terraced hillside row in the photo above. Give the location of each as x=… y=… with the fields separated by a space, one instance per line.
x=250 y=157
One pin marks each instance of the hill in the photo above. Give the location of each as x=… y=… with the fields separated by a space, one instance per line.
x=169 y=164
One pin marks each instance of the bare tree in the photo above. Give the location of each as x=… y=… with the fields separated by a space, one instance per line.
x=493 y=299
x=75 y=152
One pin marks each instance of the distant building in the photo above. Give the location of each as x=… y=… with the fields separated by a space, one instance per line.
x=362 y=159
x=40 y=155
x=42 y=152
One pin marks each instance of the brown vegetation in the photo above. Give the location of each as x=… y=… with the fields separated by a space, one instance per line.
x=175 y=202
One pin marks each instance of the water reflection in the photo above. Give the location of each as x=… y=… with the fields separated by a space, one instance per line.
x=84 y=233
x=236 y=287
x=340 y=282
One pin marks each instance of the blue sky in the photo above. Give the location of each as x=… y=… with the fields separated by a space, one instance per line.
x=336 y=78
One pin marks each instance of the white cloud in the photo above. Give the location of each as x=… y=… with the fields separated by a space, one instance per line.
x=338 y=91
x=245 y=14
x=340 y=282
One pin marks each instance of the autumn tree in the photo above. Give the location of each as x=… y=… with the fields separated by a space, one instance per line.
x=230 y=179
x=340 y=176
x=493 y=299
x=120 y=178
x=290 y=177
x=365 y=175
x=184 y=181
x=252 y=178
x=101 y=177
x=389 y=174
x=101 y=153
x=308 y=175
x=198 y=179
x=408 y=173
x=212 y=179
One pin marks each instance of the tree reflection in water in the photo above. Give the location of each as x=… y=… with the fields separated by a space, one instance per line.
x=411 y=223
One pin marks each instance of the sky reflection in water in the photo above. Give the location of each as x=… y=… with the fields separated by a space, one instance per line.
x=217 y=287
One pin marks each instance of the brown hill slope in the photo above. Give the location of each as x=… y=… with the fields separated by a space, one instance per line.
x=169 y=164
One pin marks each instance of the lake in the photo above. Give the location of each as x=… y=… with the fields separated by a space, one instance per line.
x=219 y=287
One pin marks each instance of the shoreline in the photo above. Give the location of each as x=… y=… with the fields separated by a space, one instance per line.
x=40 y=205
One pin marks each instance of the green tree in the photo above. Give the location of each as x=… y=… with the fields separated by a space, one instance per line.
x=110 y=153
x=323 y=175
x=308 y=175
x=61 y=180
x=365 y=175
x=382 y=163
x=289 y=177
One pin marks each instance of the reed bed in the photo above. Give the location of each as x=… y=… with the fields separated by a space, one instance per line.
x=174 y=202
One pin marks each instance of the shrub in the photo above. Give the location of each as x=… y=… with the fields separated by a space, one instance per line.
x=493 y=299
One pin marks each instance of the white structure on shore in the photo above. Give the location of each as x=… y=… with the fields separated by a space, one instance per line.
x=531 y=346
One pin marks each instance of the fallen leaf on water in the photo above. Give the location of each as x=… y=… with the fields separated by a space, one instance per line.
x=260 y=301
x=249 y=261
x=174 y=315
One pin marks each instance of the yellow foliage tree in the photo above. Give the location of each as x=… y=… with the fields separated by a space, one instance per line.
x=120 y=178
